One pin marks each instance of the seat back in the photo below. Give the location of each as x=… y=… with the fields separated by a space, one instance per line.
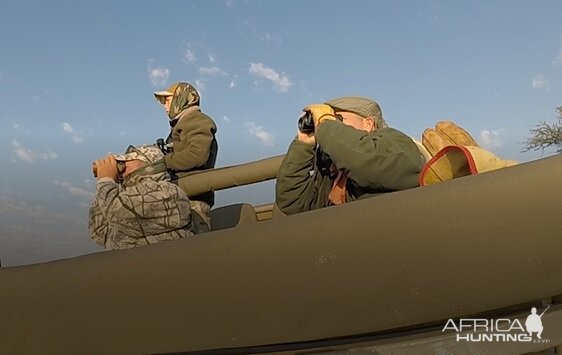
x=232 y=215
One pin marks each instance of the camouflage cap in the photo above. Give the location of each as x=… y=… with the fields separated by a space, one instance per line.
x=161 y=95
x=360 y=105
x=146 y=153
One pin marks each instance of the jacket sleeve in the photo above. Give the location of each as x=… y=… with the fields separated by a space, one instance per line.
x=145 y=209
x=196 y=136
x=384 y=160
x=100 y=225
x=295 y=189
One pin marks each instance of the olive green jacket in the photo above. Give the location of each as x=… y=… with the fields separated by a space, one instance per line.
x=194 y=146
x=382 y=161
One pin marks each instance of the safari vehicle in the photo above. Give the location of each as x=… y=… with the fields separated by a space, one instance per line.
x=385 y=275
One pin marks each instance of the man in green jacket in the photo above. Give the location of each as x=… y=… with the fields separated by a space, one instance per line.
x=351 y=153
x=193 y=144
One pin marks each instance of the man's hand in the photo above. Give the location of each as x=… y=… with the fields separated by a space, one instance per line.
x=307 y=138
x=320 y=113
x=107 y=167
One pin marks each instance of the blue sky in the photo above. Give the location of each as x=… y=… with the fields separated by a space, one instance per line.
x=76 y=82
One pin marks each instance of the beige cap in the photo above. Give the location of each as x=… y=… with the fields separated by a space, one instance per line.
x=146 y=153
x=161 y=95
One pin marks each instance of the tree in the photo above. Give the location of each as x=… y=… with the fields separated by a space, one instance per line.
x=545 y=135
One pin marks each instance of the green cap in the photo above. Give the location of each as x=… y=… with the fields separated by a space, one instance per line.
x=360 y=105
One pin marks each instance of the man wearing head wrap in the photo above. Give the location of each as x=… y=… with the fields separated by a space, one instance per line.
x=193 y=144
x=350 y=154
x=135 y=202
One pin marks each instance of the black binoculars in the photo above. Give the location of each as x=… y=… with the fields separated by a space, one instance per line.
x=120 y=168
x=306 y=123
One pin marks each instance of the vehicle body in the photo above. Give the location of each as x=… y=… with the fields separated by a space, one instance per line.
x=382 y=274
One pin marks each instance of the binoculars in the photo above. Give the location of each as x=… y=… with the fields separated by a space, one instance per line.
x=306 y=123
x=120 y=168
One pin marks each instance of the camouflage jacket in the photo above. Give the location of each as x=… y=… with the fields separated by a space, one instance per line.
x=146 y=208
x=382 y=161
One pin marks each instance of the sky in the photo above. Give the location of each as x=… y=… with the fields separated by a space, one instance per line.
x=77 y=77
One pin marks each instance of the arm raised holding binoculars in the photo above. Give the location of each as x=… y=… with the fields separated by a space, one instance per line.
x=136 y=203
x=106 y=168
x=318 y=114
x=344 y=150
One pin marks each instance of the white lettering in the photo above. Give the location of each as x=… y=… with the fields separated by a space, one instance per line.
x=481 y=323
x=499 y=328
x=481 y=330
x=465 y=324
x=486 y=337
x=450 y=327
x=517 y=325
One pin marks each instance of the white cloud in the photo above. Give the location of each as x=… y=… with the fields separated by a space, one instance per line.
x=226 y=119
x=280 y=81
x=270 y=38
x=67 y=127
x=539 y=82
x=233 y=84
x=49 y=155
x=29 y=155
x=490 y=139
x=190 y=56
x=212 y=59
x=14 y=208
x=20 y=128
x=73 y=190
x=558 y=60
x=74 y=135
x=158 y=76
x=265 y=137
x=213 y=71
x=200 y=85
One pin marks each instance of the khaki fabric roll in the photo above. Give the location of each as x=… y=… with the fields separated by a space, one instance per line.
x=455 y=133
x=456 y=161
x=433 y=141
x=446 y=133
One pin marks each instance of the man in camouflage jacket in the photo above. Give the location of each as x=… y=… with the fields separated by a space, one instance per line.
x=145 y=208
x=351 y=154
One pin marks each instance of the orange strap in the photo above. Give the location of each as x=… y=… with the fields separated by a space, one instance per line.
x=338 y=193
x=449 y=163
